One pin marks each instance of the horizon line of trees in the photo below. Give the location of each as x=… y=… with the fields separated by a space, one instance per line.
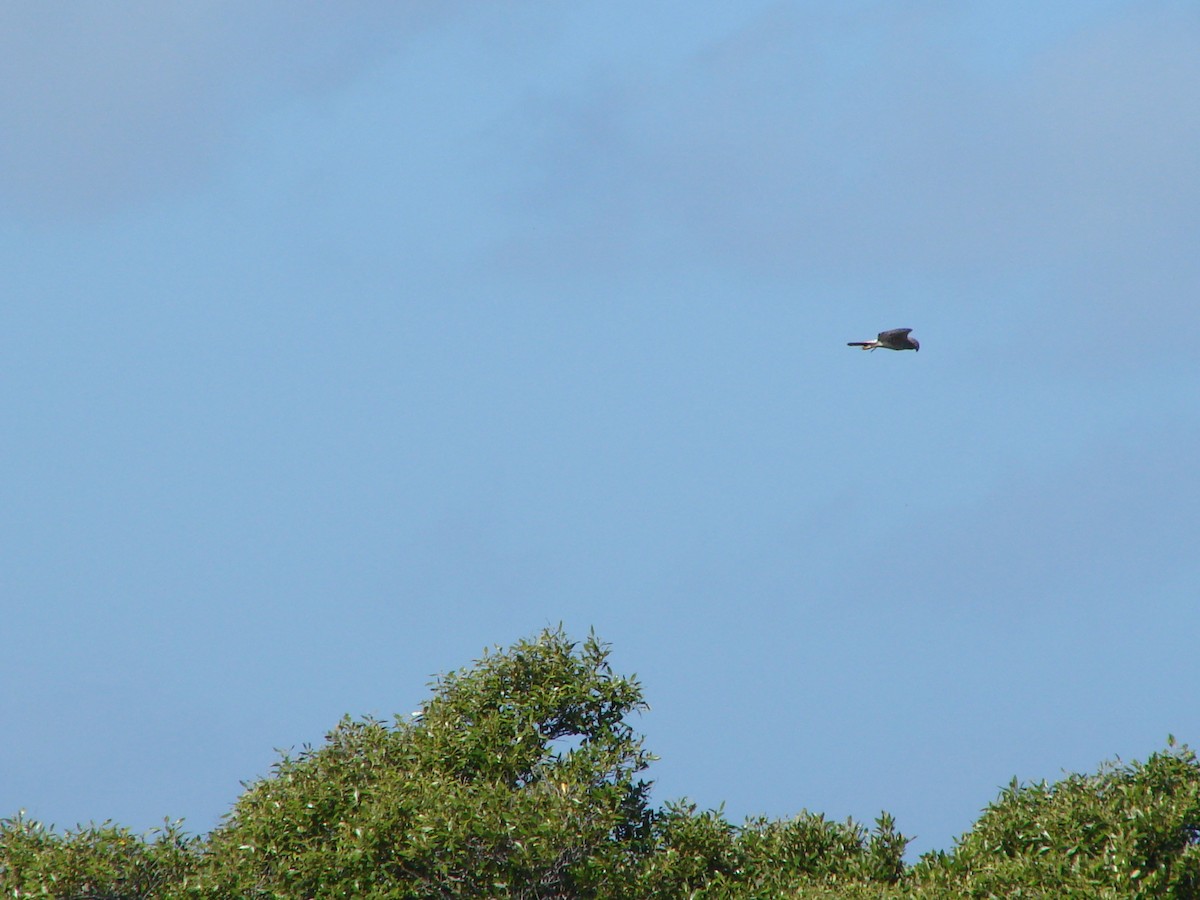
x=522 y=778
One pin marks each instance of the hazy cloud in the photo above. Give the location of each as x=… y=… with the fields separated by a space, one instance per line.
x=109 y=103
x=866 y=143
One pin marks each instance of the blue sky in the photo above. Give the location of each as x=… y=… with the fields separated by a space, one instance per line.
x=339 y=344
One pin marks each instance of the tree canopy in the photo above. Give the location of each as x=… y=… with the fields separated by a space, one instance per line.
x=523 y=777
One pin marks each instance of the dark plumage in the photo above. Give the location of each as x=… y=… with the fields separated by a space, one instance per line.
x=895 y=339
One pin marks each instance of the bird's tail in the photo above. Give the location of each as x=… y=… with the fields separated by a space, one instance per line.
x=866 y=345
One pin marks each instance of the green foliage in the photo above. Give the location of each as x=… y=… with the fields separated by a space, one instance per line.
x=700 y=854
x=691 y=851
x=100 y=862
x=814 y=848
x=521 y=779
x=1127 y=831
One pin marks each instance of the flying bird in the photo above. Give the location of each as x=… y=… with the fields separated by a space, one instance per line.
x=895 y=339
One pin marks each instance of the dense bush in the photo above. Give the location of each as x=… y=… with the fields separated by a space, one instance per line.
x=1127 y=831
x=522 y=778
x=101 y=862
x=700 y=854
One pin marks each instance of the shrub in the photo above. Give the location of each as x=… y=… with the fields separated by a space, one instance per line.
x=518 y=781
x=98 y=862
x=1127 y=831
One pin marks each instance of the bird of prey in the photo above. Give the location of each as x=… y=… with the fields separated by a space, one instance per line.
x=895 y=339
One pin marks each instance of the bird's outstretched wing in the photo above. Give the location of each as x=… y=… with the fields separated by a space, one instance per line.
x=892 y=339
